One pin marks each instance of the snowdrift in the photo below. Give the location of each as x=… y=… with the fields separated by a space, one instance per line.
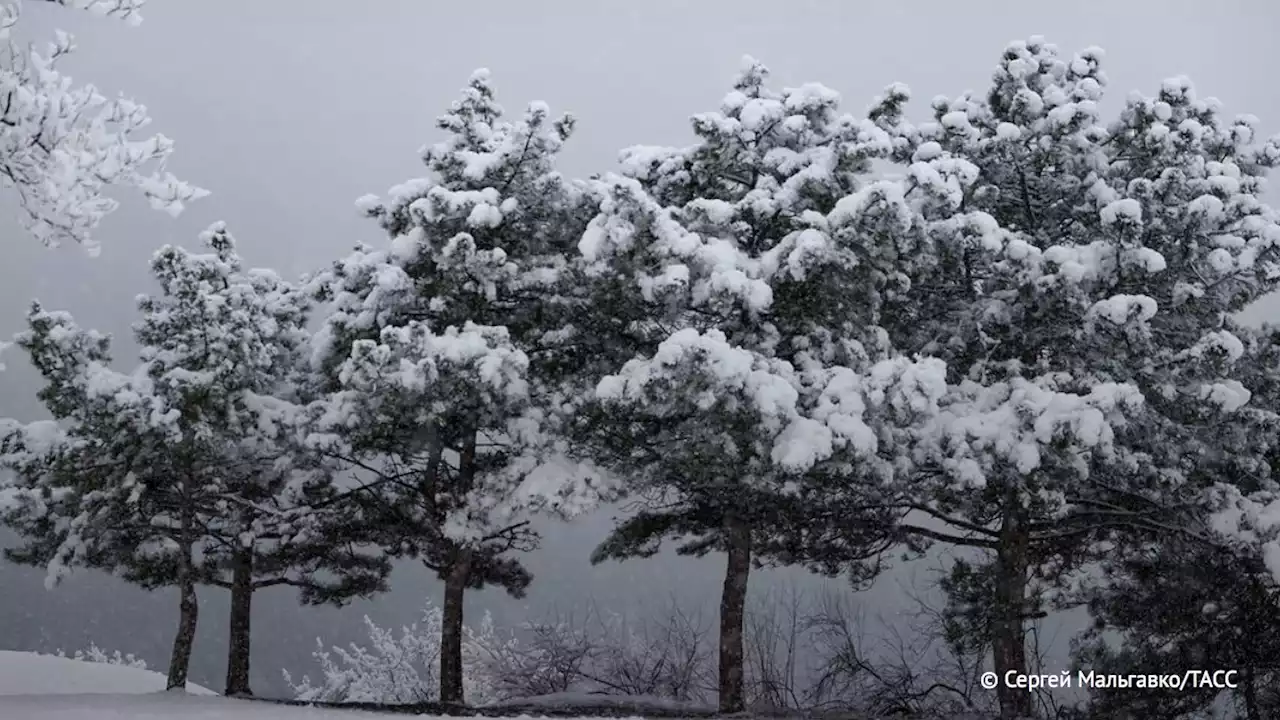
x=162 y=706
x=23 y=673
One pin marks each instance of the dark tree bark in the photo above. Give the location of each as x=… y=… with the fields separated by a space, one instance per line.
x=456 y=578
x=1008 y=636
x=188 y=611
x=238 y=646
x=1250 y=691
x=733 y=603
x=455 y=589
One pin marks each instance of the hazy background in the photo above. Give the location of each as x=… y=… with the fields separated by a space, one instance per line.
x=288 y=110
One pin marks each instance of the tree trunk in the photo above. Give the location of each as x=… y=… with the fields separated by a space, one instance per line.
x=1251 y=709
x=455 y=588
x=238 y=645
x=188 y=614
x=1008 y=640
x=733 y=603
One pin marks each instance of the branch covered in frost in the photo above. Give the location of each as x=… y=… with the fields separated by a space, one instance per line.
x=62 y=146
x=98 y=655
x=398 y=668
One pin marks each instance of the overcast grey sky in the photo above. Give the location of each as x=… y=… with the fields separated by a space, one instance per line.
x=288 y=110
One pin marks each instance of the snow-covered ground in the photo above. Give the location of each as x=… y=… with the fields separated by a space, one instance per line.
x=45 y=687
x=24 y=673
x=162 y=706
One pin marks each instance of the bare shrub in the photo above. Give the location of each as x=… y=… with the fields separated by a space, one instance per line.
x=670 y=657
x=805 y=651
x=606 y=654
x=540 y=658
x=778 y=659
x=913 y=670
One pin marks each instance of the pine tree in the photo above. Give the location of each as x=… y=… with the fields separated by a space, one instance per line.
x=1180 y=605
x=62 y=146
x=282 y=532
x=763 y=408
x=1077 y=277
x=1207 y=596
x=1244 y=507
x=442 y=354
x=117 y=489
x=180 y=473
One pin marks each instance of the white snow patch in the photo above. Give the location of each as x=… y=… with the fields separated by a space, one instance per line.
x=24 y=673
x=164 y=706
x=1124 y=209
x=1008 y=131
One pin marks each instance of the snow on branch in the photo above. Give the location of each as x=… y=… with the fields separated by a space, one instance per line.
x=98 y=655
x=62 y=145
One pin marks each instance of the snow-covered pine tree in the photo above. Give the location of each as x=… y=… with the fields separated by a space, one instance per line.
x=299 y=534
x=61 y=146
x=180 y=472
x=278 y=519
x=1169 y=605
x=1246 y=504
x=1077 y=276
x=114 y=488
x=441 y=353
x=1208 y=598
x=763 y=409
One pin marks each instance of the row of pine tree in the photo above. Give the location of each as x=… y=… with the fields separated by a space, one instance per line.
x=810 y=338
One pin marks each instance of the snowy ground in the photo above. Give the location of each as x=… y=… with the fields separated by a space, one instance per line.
x=161 y=706
x=44 y=687
x=31 y=674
